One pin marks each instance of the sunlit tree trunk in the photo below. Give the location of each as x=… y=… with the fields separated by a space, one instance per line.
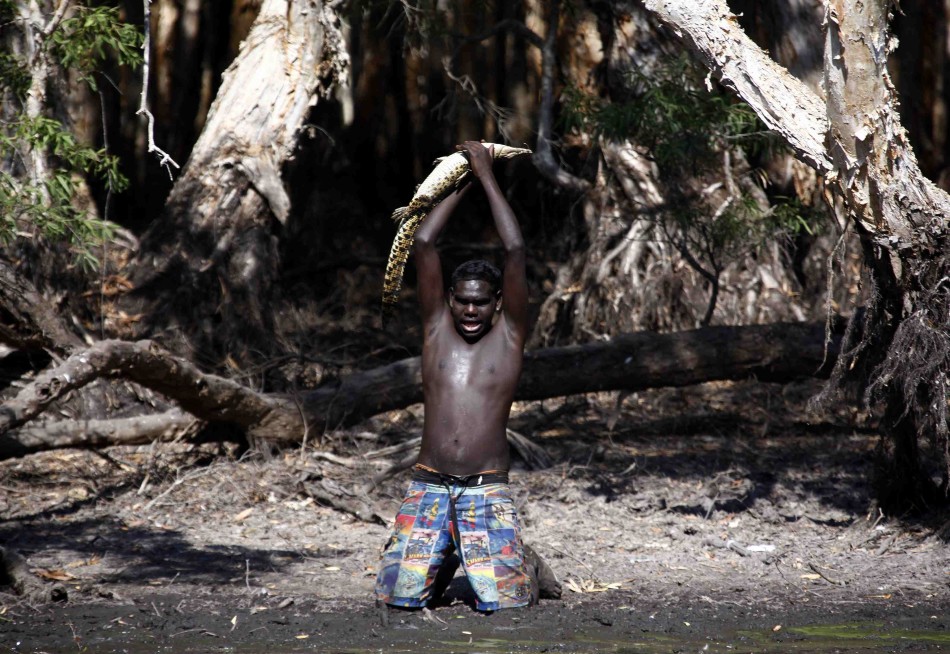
x=855 y=139
x=207 y=268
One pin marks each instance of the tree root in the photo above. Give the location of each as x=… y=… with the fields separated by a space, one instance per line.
x=15 y=572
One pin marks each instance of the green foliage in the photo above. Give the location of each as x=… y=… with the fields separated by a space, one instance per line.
x=688 y=131
x=53 y=217
x=85 y=41
x=43 y=206
x=46 y=208
x=672 y=115
x=14 y=76
x=50 y=135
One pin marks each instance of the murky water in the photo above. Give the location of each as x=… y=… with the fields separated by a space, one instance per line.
x=821 y=639
x=467 y=638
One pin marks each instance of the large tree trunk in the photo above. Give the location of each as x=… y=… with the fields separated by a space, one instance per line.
x=641 y=266
x=856 y=140
x=207 y=268
x=772 y=353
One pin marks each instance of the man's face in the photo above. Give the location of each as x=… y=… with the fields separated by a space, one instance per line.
x=473 y=305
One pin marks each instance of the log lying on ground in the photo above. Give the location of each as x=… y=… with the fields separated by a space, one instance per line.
x=780 y=352
x=137 y=430
x=15 y=573
x=774 y=353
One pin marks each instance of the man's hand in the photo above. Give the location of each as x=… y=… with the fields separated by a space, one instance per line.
x=479 y=157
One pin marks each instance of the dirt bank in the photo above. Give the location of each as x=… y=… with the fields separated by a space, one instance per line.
x=676 y=520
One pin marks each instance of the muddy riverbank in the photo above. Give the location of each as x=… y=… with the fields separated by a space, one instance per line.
x=738 y=525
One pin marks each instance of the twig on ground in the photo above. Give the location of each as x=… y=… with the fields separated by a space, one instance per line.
x=726 y=545
x=194 y=474
x=404 y=464
x=818 y=571
x=535 y=456
x=398 y=448
x=886 y=545
x=593 y=575
x=346 y=462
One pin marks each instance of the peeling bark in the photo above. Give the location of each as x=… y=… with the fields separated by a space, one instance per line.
x=26 y=319
x=782 y=102
x=856 y=140
x=208 y=267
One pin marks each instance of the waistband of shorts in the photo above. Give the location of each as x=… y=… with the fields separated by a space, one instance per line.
x=427 y=475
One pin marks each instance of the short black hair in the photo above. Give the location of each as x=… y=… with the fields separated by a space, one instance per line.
x=478 y=269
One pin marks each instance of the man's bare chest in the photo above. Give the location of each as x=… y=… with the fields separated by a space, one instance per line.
x=484 y=365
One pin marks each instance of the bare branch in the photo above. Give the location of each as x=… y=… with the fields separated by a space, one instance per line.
x=163 y=157
x=484 y=105
x=206 y=396
x=509 y=25
x=543 y=155
x=57 y=17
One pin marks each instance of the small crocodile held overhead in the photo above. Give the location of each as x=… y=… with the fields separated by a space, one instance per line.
x=450 y=173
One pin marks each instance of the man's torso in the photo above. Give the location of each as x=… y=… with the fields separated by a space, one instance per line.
x=468 y=391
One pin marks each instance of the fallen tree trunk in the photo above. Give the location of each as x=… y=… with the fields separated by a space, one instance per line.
x=775 y=353
x=138 y=430
x=779 y=353
x=15 y=573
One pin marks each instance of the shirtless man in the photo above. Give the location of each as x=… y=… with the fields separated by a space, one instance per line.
x=471 y=361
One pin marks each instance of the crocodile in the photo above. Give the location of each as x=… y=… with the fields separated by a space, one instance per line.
x=451 y=173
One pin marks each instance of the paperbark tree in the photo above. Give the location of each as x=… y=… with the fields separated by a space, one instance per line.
x=205 y=275
x=900 y=351
x=683 y=226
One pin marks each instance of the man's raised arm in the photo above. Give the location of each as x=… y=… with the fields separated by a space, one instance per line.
x=514 y=293
x=428 y=265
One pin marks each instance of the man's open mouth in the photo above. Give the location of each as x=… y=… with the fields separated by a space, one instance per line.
x=471 y=327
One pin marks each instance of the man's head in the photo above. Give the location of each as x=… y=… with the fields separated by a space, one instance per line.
x=474 y=298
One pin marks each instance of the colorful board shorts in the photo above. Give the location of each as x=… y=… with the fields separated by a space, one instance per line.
x=487 y=537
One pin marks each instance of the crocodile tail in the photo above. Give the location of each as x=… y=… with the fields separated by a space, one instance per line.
x=396 y=265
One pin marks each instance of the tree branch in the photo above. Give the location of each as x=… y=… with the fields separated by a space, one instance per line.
x=776 y=353
x=211 y=397
x=543 y=155
x=783 y=102
x=57 y=18
x=507 y=25
x=164 y=159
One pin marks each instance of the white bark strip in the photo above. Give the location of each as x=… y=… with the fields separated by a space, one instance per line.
x=877 y=170
x=856 y=138
x=781 y=101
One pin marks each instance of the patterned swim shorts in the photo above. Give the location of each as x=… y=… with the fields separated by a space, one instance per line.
x=487 y=537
